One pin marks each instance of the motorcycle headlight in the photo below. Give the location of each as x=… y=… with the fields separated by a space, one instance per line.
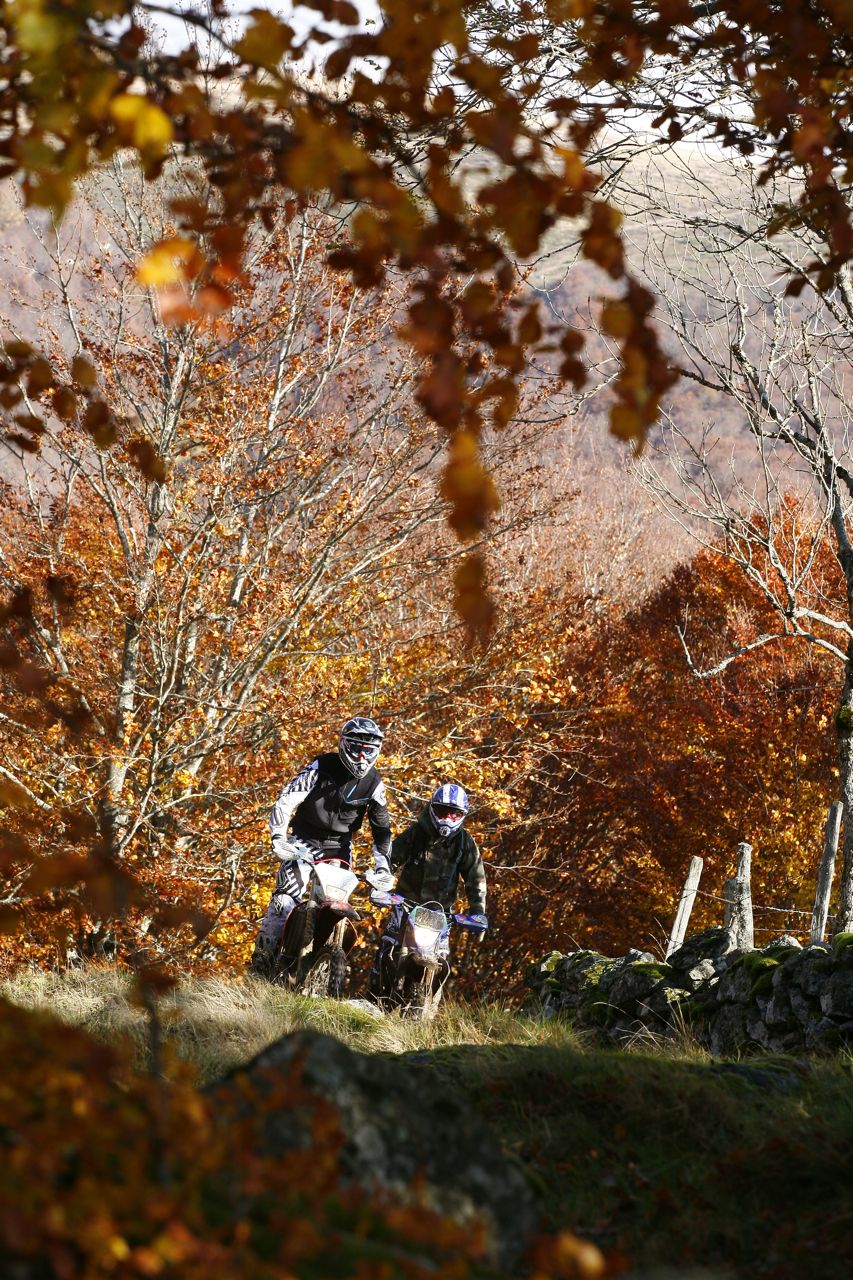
x=425 y=939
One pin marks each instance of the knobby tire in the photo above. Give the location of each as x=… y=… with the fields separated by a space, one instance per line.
x=417 y=997
x=327 y=974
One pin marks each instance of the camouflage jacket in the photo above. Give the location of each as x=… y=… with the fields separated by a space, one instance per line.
x=431 y=865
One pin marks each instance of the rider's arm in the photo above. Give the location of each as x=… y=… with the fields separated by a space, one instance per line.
x=292 y=795
x=380 y=825
x=402 y=847
x=474 y=875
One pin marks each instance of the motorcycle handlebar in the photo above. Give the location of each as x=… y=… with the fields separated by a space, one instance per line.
x=382 y=898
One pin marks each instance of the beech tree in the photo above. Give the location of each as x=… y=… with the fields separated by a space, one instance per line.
x=385 y=128
x=195 y=624
x=780 y=510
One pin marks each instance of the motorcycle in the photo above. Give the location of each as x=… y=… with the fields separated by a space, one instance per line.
x=319 y=934
x=414 y=971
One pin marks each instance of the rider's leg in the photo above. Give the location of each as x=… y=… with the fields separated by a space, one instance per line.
x=379 y=979
x=290 y=885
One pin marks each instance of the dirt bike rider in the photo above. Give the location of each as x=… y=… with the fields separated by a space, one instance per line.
x=322 y=807
x=432 y=855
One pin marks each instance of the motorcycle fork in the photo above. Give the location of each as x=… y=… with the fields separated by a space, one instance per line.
x=306 y=945
x=338 y=937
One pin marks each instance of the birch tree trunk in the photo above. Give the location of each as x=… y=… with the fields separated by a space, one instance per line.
x=844 y=736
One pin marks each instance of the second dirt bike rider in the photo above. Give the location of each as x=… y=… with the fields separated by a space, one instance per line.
x=314 y=819
x=432 y=855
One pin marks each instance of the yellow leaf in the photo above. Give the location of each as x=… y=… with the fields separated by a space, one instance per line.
x=153 y=129
x=142 y=122
x=164 y=264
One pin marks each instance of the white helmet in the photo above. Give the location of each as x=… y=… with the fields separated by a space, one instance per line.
x=359 y=744
x=447 y=808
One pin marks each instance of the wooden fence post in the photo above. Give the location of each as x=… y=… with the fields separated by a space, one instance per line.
x=738 y=898
x=825 y=872
x=741 y=925
x=685 y=905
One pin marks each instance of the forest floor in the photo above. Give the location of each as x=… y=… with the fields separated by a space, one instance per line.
x=658 y=1153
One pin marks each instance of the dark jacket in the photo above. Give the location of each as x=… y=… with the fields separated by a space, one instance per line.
x=431 y=865
x=326 y=805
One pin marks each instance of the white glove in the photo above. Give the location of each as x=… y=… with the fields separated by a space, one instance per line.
x=381 y=879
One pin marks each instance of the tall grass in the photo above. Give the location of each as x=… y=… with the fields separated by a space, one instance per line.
x=216 y=1024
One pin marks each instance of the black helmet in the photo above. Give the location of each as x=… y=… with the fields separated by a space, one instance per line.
x=359 y=744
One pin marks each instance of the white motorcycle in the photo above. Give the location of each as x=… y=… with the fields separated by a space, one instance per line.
x=312 y=957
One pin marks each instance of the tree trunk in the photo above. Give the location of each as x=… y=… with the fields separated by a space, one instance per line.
x=823 y=890
x=844 y=736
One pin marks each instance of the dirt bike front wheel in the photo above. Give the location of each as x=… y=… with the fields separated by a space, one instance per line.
x=327 y=974
x=417 y=996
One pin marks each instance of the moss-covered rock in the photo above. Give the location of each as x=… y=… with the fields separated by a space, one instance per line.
x=782 y=998
x=842 y=942
x=536 y=972
x=782 y=948
x=710 y=944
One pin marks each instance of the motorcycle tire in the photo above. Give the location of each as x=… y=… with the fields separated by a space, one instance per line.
x=327 y=974
x=416 y=1000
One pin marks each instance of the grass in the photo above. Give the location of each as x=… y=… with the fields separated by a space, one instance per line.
x=658 y=1153
x=678 y=1162
x=216 y=1024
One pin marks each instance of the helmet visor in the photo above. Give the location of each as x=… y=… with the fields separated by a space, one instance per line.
x=359 y=748
x=447 y=813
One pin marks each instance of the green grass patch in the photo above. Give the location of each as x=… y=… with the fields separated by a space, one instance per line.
x=679 y=1163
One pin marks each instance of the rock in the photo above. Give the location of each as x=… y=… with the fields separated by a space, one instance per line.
x=365 y=1006
x=757 y=1031
x=830 y=1036
x=667 y=1003
x=842 y=942
x=401 y=1121
x=575 y=976
x=632 y=987
x=772 y=1077
x=735 y=986
x=728 y=1033
x=806 y=1009
x=837 y=1000
x=780 y=947
x=706 y=970
x=779 y=1013
x=710 y=944
x=810 y=969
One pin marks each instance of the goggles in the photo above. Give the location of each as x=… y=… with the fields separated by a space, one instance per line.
x=360 y=749
x=443 y=811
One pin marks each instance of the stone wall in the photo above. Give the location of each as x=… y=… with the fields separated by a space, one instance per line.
x=785 y=998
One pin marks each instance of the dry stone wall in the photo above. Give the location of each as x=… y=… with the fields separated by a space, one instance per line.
x=784 y=998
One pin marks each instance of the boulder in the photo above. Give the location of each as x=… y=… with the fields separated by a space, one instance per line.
x=711 y=944
x=405 y=1130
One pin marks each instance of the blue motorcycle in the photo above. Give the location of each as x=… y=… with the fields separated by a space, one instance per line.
x=414 y=956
